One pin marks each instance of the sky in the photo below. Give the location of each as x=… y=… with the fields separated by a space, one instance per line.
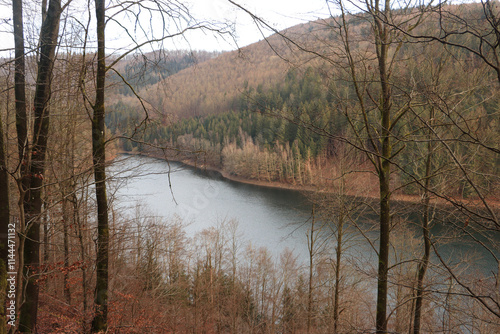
x=279 y=14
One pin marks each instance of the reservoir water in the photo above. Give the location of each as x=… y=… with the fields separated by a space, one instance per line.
x=267 y=217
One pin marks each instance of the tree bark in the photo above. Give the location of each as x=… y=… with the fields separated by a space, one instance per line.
x=33 y=200
x=424 y=262
x=338 y=254
x=382 y=42
x=21 y=128
x=4 y=228
x=66 y=218
x=99 y=322
x=20 y=82
x=311 y=238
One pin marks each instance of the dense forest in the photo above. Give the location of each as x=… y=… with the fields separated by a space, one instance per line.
x=291 y=129
x=388 y=115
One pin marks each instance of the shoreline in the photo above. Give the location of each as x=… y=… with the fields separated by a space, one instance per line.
x=398 y=198
x=209 y=168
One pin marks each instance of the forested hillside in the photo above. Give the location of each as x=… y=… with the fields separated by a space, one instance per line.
x=272 y=106
x=140 y=71
x=216 y=85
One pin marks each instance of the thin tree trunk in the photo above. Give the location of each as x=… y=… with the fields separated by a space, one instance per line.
x=46 y=242
x=99 y=322
x=311 y=242
x=382 y=289
x=339 y=250
x=79 y=227
x=422 y=266
x=33 y=202
x=4 y=229
x=67 y=290
x=45 y=223
x=343 y=212
x=382 y=44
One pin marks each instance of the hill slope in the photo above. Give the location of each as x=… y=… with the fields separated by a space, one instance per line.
x=215 y=85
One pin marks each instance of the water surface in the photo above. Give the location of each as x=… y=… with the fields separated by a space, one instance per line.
x=267 y=217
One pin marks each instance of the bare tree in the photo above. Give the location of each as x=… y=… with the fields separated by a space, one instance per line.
x=158 y=10
x=374 y=133
x=99 y=323
x=33 y=200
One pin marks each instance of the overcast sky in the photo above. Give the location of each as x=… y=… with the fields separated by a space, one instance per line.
x=280 y=14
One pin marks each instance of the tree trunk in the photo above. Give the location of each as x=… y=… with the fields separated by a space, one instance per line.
x=66 y=218
x=382 y=42
x=338 y=251
x=424 y=262
x=20 y=83
x=311 y=244
x=79 y=226
x=384 y=177
x=4 y=229
x=99 y=322
x=33 y=200
x=385 y=218
x=21 y=128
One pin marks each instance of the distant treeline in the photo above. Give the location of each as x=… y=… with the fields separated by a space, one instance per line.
x=145 y=70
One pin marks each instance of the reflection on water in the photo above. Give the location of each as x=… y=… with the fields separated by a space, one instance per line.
x=269 y=217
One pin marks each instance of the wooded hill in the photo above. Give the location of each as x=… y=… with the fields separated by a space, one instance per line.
x=282 y=103
x=215 y=85
x=183 y=84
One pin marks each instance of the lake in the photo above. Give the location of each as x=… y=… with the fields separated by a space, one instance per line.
x=268 y=217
